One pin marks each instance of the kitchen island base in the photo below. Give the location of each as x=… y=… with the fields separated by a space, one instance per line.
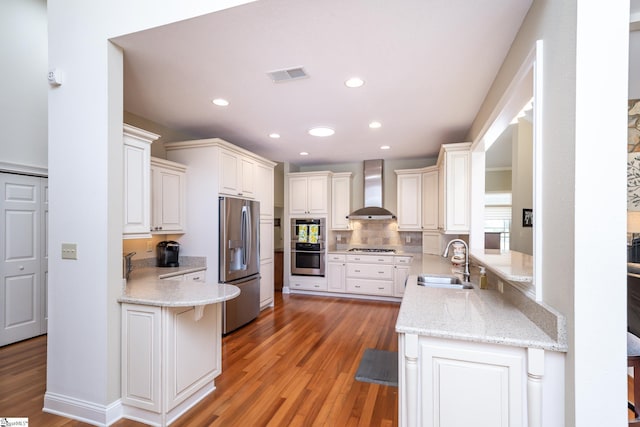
x=170 y=357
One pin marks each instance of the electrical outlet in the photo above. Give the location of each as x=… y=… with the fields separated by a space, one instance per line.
x=407 y=238
x=500 y=286
x=338 y=238
x=69 y=251
x=149 y=246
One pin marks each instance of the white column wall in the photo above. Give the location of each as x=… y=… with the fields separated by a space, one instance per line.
x=583 y=134
x=85 y=164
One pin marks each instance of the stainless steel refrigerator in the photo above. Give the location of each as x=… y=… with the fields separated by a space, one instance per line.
x=240 y=259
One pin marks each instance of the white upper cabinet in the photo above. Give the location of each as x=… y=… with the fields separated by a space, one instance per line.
x=454 y=167
x=264 y=189
x=137 y=182
x=340 y=200
x=237 y=174
x=309 y=193
x=430 y=198
x=168 y=187
x=409 y=199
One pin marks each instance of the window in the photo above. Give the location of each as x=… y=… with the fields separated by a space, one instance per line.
x=497 y=216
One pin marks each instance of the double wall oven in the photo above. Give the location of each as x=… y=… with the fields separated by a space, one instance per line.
x=308 y=246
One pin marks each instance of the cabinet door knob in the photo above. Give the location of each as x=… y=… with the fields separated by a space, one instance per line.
x=21 y=267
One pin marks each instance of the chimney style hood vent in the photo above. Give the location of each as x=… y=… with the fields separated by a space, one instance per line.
x=373 y=187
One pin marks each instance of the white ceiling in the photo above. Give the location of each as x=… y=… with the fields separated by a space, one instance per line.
x=427 y=64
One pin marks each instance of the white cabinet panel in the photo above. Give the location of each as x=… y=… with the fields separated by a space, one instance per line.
x=141 y=352
x=192 y=352
x=137 y=181
x=168 y=197
x=266 y=284
x=336 y=276
x=308 y=193
x=430 y=199
x=237 y=174
x=265 y=189
x=454 y=163
x=340 y=200
x=409 y=201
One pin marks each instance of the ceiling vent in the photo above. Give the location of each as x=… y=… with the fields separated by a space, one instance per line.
x=279 y=76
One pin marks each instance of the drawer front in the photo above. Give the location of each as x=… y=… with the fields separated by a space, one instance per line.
x=336 y=257
x=196 y=276
x=370 y=287
x=370 y=271
x=310 y=286
x=402 y=260
x=376 y=259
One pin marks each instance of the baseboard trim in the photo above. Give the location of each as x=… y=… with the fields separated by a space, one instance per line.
x=82 y=410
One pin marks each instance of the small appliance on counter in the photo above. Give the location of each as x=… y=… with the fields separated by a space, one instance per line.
x=167 y=253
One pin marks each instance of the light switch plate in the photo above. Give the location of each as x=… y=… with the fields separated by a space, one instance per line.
x=69 y=251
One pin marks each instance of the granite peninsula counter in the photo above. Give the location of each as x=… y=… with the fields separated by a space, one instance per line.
x=454 y=345
x=171 y=341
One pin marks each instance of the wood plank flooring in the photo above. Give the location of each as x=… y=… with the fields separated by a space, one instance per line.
x=293 y=366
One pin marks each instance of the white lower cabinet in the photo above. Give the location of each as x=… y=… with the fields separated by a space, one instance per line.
x=370 y=274
x=308 y=283
x=336 y=272
x=449 y=383
x=400 y=274
x=170 y=357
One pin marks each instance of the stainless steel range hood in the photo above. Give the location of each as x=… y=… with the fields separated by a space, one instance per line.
x=373 y=192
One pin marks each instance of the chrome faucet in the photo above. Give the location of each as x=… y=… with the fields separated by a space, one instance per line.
x=128 y=265
x=466 y=274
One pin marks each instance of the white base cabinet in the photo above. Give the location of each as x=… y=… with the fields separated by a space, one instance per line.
x=451 y=383
x=169 y=355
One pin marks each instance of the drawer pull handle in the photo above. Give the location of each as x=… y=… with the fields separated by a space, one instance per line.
x=357 y=271
x=380 y=272
x=358 y=286
x=380 y=259
x=382 y=289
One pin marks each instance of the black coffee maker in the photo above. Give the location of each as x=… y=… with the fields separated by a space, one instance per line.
x=167 y=253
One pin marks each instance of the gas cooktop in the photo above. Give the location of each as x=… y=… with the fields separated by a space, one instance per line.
x=372 y=250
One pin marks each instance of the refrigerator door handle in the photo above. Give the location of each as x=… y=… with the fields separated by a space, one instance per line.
x=243 y=231
x=248 y=224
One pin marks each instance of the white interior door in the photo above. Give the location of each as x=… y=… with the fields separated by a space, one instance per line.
x=21 y=281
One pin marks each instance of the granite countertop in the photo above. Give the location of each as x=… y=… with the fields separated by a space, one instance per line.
x=152 y=286
x=512 y=266
x=470 y=315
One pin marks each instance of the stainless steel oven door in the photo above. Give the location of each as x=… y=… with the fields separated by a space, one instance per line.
x=307 y=263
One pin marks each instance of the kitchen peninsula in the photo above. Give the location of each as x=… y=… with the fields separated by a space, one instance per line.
x=171 y=342
x=479 y=356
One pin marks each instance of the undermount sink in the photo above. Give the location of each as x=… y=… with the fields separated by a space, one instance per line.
x=443 y=281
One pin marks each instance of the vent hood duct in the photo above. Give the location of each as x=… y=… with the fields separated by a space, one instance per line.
x=373 y=187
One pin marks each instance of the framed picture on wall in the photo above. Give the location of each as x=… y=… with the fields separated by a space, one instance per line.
x=527 y=217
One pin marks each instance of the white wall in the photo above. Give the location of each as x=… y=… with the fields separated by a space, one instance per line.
x=634 y=65
x=85 y=175
x=24 y=85
x=584 y=184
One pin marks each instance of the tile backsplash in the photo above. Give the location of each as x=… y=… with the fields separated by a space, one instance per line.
x=378 y=234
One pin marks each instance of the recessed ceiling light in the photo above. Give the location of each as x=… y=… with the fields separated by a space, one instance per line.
x=220 y=102
x=354 y=82
x=321 y=131
x=375 y=125
x=274 y=135
x=304 y=153
x=385 y=147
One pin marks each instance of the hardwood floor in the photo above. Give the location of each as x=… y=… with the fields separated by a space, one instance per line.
x=293 y=366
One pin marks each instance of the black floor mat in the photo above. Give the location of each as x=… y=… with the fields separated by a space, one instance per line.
x=378 y=367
